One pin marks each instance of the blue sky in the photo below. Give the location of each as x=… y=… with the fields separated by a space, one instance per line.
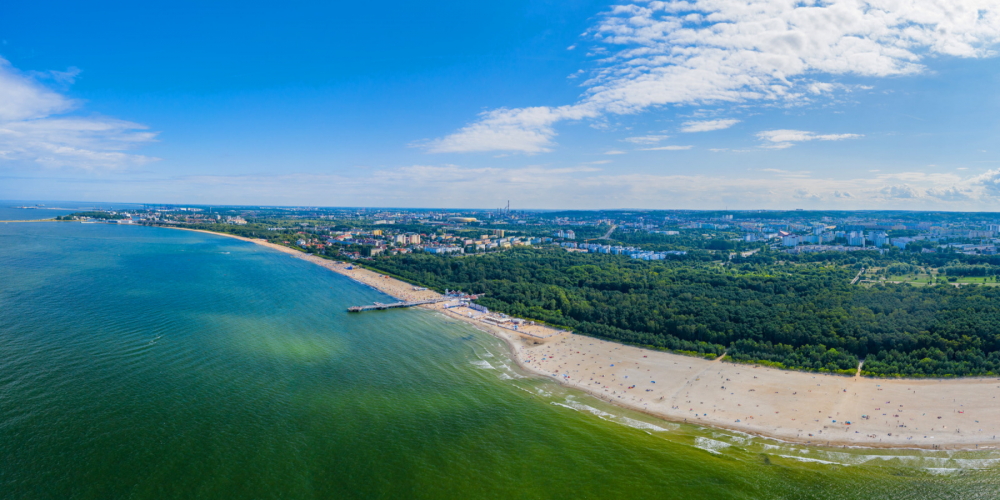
x=707 y=104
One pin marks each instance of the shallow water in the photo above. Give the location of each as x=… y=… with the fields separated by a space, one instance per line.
x=146 y=363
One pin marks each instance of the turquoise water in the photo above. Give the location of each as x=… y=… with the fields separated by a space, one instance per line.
x=151 y=363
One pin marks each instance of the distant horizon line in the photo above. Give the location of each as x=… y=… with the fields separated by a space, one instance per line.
x=372 y=207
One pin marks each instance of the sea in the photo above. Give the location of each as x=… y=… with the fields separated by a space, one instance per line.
x=140 y=362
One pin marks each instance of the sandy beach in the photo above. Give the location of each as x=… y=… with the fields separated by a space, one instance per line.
x=793 y=406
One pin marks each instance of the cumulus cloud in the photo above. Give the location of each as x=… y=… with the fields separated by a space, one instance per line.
x=35 y=127
x=806 y=195
x=989 y=181
x=781 y=139
x=732 y=51
x=708 y=125
x=898 y=191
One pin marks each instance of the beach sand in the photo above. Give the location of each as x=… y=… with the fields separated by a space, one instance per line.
x=793 y=406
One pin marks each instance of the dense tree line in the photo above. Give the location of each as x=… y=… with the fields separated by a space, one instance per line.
x=978 y=270
x=797 y=315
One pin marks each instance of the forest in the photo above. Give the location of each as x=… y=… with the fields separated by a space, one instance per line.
x=799 y=313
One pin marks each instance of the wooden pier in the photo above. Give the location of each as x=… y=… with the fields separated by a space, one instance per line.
x=379 y=306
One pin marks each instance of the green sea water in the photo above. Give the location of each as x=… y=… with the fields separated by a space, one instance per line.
x=152 y=363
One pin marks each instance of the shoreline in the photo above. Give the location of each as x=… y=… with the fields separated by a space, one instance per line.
x=797 y=407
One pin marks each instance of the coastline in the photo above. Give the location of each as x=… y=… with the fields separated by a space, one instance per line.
x=799 y=407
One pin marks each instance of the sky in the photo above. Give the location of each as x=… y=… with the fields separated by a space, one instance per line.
x=701 y=104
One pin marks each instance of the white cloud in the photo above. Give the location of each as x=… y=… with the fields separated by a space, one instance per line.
x=817 y=88
x=646 y=139
x=36 y=130
x=668 y=148
x=898 y=191
x=24 y=99
x=781 y=139
x=989 y=181
x=614 y=152
x=708 y=125
x=732 y=51
x=806 y=195
x=525 y=130
x=950 y=194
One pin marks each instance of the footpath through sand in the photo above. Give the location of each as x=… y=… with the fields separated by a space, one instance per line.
x=793 y=406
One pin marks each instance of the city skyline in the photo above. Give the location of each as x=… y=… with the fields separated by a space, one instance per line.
x=707 y=105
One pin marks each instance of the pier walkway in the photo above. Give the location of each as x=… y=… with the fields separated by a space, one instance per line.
x=379 y=305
